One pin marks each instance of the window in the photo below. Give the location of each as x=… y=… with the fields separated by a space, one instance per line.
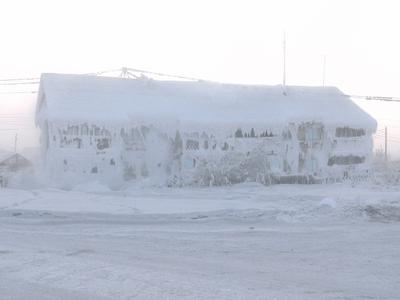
x=310 y=132
x=346 y=160
x=349 y=132
x=192 y=145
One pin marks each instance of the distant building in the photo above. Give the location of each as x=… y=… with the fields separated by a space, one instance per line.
x=11 y=163
x=99 y=128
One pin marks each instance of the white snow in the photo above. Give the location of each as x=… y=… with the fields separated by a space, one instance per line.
x=105 y=99
x=240 y=242
x=331 y=202
x=92 y=187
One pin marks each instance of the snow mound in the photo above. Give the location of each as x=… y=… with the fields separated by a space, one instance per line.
x=92 y=187
x=331 y=202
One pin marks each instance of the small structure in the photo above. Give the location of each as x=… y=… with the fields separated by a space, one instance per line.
x=11 y=163
x=196 y=132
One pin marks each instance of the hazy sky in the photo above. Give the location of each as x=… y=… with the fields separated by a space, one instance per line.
x=228 y=41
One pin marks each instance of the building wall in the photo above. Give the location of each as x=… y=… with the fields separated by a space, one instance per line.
x=120 y=153
x=12 y=166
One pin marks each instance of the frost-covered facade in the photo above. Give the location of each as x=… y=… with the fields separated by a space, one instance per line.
x=11 y=163
x=179 y=132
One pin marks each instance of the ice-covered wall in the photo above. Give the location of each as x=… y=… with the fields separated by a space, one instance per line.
x=179 y=133
x=179 y=155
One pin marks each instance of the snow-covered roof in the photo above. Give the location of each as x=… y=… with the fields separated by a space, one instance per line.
x=93 y=98
x=4 y=155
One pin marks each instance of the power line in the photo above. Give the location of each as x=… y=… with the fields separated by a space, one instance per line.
x=19 y=116
x=19 y=79
x=19 y=83
x=17 y=129
x=19 y=92
x=375 y=98
x=127 y=72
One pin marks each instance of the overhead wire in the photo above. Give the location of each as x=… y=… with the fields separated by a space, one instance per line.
x=19 y=79
x=19 y=83
x=129 y=72
x=18 y=92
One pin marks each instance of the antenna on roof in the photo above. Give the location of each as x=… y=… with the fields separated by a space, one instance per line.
x=125 y=73
x=284 y=62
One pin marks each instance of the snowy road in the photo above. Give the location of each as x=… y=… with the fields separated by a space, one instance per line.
x=245 y=242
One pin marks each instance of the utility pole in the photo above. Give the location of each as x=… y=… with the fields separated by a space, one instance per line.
x=15 y=149
x=15 y=143
x=323 y=71
x=386 y=138
x=284 y=59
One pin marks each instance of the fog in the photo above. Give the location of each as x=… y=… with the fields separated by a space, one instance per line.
x=272 y=187
x=228 y=41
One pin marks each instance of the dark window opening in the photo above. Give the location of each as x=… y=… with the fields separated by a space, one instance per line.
x=349 y=132
x=346 y=160
x=192 y=145
x=103 y=144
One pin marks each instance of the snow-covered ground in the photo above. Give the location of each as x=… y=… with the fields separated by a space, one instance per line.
x=242 y=242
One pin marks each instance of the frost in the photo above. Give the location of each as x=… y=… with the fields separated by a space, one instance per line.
x=331 y=202
x=198 y=133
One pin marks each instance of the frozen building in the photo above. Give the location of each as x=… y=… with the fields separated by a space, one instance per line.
x=11 y=163
x=194 y=132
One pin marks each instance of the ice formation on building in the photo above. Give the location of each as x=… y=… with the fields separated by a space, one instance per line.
x=195 y=132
